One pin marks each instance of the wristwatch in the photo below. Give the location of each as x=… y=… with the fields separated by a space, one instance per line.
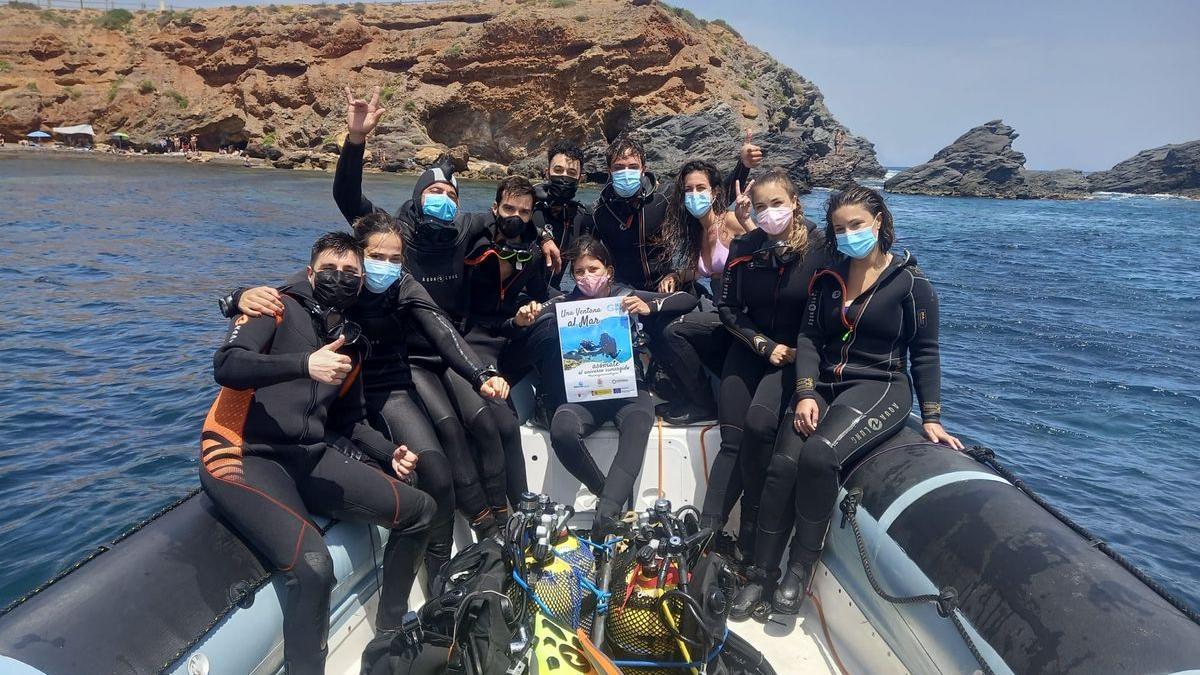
x=484 y=374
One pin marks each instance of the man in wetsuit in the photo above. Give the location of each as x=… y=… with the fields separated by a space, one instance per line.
x=285 y=438
x=556 y=213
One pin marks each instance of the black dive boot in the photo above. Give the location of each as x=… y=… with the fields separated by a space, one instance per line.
x=434 y=563
x=789 y=595
x=751 y=599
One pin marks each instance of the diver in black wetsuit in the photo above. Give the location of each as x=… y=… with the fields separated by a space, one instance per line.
x=869 y=313
x=503 y=272
x=762 y=301
x=282 y=441
x=392 y=304
x=556 y=213
x=591 y=266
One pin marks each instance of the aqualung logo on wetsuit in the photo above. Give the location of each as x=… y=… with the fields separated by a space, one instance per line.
x=237 y=327
x=440 y=278
x=874 y=424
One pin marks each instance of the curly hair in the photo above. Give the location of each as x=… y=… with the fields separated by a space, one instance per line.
x=872 y=201
x=681 y=240
x=797 y=240
x=621 y=145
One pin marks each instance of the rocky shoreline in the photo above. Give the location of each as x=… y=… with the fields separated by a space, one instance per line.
x=983 y=163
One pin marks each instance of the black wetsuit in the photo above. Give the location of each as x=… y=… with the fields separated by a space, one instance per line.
x=560 y=221
x=278 y=446
x=393 y=405
x=572 y=422
x=489 y=328
x=435 y=255
x=762 y=302
x=855 y=365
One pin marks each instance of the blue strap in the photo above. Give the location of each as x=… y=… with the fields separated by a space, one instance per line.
x=675 y=664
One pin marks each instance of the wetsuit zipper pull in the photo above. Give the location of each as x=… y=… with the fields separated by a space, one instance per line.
x=846 y=335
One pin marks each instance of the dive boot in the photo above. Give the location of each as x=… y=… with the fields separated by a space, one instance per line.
x=751 y=598
x=789 y=595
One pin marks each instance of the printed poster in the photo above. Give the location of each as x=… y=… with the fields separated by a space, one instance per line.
x=597 y=350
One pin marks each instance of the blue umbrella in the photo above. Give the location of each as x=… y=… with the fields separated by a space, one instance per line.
x=37 y=134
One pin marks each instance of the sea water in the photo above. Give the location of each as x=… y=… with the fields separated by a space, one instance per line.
x=1068 y=337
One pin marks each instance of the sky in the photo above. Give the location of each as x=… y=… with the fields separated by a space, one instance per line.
x=1086 y=83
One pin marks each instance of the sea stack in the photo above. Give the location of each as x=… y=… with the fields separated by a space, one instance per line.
x=983 y=163
x=1169 y=169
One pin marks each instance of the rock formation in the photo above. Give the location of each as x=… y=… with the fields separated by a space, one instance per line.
x=493 y=81
x=1170 y=169
x=983 y=163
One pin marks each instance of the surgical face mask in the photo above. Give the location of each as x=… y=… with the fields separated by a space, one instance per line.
x=857 y=243
x=698 y=203
x=380 y=274
x=335 y=289
x=561 y=189
x=439 y=206
x=626 y=182
x=510 y=226
x=775 y=219
x=592 y=285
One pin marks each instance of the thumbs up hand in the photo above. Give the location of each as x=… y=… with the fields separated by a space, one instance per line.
x=327 y=366
x=751 y=154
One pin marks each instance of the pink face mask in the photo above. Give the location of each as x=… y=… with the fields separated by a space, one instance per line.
x=775 y=219
x=592 y=285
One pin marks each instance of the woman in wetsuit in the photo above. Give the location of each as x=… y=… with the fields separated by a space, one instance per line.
x=391 y=305
x=592 y=268
x=761 y=304
x=869 y=338
x=696 y=238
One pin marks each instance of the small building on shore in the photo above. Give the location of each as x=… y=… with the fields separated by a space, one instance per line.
x=77 y=136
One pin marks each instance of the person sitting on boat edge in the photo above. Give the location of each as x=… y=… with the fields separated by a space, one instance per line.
x=696 y=238
x=592 y=267
x=282 y=442
x=393 y=307
x=556 y=213
x=868 y=313
x=762 y=300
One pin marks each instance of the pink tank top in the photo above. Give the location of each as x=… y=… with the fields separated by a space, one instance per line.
x=720 y=253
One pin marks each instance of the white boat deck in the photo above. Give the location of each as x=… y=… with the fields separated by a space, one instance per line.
x=676 y=466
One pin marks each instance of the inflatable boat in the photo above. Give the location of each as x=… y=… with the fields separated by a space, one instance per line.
x=937 y=562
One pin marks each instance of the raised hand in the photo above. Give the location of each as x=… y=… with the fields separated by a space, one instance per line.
x=327 y=366
x=362 y=116
x=260 y=300
x=751 y=154
x=742 y=204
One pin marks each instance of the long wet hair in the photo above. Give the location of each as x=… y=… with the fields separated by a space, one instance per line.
x=872 y=201
x=377 y=222
x=797 y=241
x=681 y=239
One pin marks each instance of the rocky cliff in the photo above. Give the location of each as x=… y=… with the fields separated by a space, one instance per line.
x=494 y=81
x=1170 y=169
x=983 y=163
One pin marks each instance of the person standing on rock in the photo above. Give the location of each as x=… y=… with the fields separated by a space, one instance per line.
x=557 y=214
x=839 y=137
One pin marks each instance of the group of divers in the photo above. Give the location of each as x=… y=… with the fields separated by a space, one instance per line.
x=372 y=385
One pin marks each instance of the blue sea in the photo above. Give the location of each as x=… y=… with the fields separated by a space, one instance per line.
x=1068 y=337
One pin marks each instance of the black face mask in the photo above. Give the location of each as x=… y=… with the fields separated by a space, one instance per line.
x=561 y=189
x=335 y=289
x=512 y=227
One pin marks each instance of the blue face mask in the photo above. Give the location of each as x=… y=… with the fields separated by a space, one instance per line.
x=698 y=203
x=380 y=274
x=857 y=244
x=627 y=182
x=439 y=206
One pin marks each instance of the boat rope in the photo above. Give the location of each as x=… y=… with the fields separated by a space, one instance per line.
x=102 y=548
x=946 y=600
x=987 y=456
